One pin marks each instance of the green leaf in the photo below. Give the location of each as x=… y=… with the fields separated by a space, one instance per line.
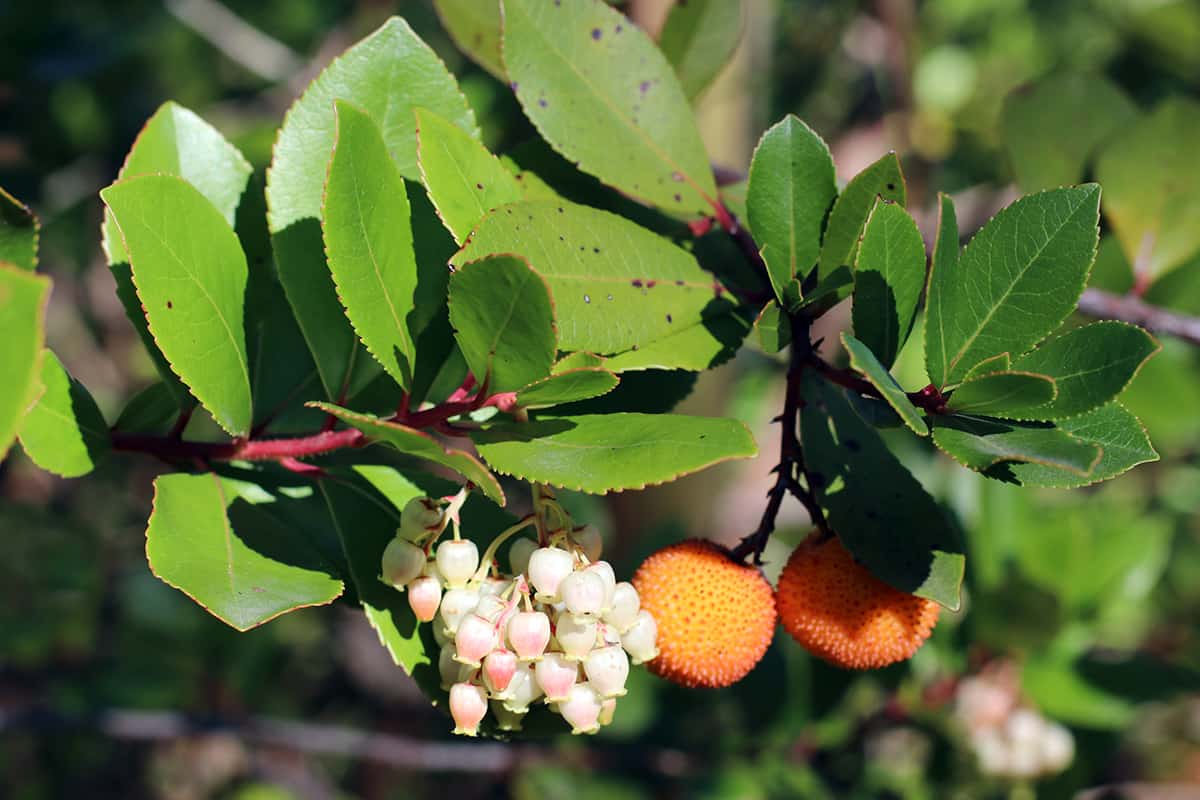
x=1016 y=281
x=604 y=96
x=23 y=298
x=889 y=277
x=650 y=391
x=1111 y=428
x=577 y=360
x=883 y=179
x=616 y=286
x=773 y=328
x=238 y=562
x=365 y=522
x=699 y=347
x=19 y=229
x=463 y=179
x=503 y=319
x=175 y=141
x=863 y=360
x=387 y=74
x=1150 y=174
x=1004 y=392
x=981 y=443
x=567 y=387
x=1053 y=129
x=998 y=363
x=190 y=274
x=422 y=445
x=879 y=511
x=1090 y=365
x=474 y=25
x=369 y=241
x=64 y=432
x=792 y=184
x=152 y=410
x=699 y=38
x=612 y=452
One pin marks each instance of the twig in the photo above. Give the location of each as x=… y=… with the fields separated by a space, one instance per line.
x=254 y=50
x=1128 y=308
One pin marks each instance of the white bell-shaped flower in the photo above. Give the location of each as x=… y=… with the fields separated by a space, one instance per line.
x=547 y=568
x=474 y=639
x=424 y=597
x=556 y=674
x=581 y=708
x=575 y=635
x=456 y=605
x=457 y=560
x=640 y=640
x=401 y=562
x=607 y=669
x=529 y=634
x=522 y=690
x=468 y=704
x=583 y=592
x=625 y=606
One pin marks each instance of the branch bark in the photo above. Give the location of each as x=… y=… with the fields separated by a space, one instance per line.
x=1134 y=310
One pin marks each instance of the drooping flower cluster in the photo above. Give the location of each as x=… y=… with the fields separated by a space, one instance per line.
x=557 y=627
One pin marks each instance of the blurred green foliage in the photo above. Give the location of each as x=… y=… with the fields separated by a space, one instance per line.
x=1093 y=595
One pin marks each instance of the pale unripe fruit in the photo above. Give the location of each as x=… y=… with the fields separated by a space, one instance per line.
x=607 y=669
x=468 y=704
x=555 y=674
x=519 y=553
x=589 y=541
x=506 y=720
x=547 y=568
x=583 y=592
x=605 y=571
x=581 y=708
x=456 y=604
x=625 y=606
x=457 y=560
x=640 y=639
x=402 y=561
x=576 y=636
x=418 y=516
x=1058 y=748
x=474 y=639
x=424 y=597
x=529 y=634
x=523 y=689
x=498 y=669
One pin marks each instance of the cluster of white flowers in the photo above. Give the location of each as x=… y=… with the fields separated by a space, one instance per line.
x=1010 y=741
x=557 y=627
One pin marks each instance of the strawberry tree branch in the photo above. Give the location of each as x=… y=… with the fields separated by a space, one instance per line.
x=1134 y=310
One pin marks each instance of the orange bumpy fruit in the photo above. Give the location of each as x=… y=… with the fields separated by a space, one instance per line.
x=837 y=610
x=715 y=616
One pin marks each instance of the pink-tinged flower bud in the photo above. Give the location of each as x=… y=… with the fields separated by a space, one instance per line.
x=588 y=539
x=457 y=560
x=608 y=709
x=547 y=568
x=499 y=666
x=528 y=634
x=581 y=708
x=641 y=637
x=402 y=561
x=506 y=720
x=456 y=604
x=555 y=674
x=449 y=670
x=607 y=669
x=468 y=704
x=605 y=571
x=420 y=515
x=522 y=690
x=474 y=639
x=575 y=635
x=625 y=606
x=424 y=597
x=519 y=553
x=583 y=592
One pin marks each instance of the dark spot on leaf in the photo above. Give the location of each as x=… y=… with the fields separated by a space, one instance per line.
x=479 y=186
x=637 y=284
x=669 y=320
x=596 y=34
x=678 y=197
x=560 y=209
x=634 y=347
x=514 y=85
x=677 y=177
x=679 y=283
x=170 y=304
x=891 y=187
x=596 y=250
x=650 y=284
x=542 y=102
x=618 y=29
x=610 y=297
x=562 y=238
x=644 y=86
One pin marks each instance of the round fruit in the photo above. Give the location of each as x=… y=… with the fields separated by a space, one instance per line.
x=838 y=611
x=715 y=616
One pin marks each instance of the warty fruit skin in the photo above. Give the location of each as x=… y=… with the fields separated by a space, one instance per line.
x=840 y=612
x=715 y=616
